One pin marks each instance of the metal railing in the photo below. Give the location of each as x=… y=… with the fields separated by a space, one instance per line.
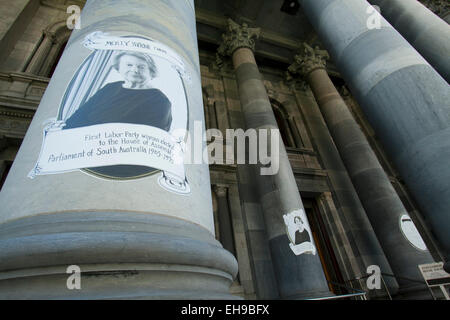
x=358 y=293
x=361 y=294
x=395 y=277
x=410 y=280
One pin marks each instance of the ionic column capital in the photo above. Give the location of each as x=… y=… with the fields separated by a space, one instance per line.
x=236 y=37
x=309 y=60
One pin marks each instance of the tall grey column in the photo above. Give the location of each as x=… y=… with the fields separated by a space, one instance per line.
x=364 y=248
x=15 y=17
x=381 y=203
x=225 y=225
x=298 y=276
x=130 y=237
x=425 y=31
x=10 y=14
x=404 y=98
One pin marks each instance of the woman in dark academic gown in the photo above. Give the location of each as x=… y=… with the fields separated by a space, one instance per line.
x=133 y=100
x=114 y=103
x=301 y=235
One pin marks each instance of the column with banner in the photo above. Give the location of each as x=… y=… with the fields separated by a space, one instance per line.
x=103 y=179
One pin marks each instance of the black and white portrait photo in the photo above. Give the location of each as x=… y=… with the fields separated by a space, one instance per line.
x=299 y=233
x=134 y=99
x=125 y=86
x=124 y=114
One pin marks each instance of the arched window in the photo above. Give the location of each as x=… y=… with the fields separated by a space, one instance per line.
x=283 y=124
x=56 y=60
x=49 y=50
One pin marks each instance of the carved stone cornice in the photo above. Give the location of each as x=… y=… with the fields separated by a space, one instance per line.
x=16 y=114
x=307 y=61
x=13 y=126
x=237 y=37
x=24 y=77
x=439 y=7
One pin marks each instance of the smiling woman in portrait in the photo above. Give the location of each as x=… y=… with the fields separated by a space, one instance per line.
x=133 y=100
x=301 y=234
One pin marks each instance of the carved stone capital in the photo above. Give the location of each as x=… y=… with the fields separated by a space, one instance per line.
x=307 y=61
x=237 y=37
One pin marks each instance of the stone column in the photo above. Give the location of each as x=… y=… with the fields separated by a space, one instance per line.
x=9 y=14
x=403 y=97
x=15 y=17
x=425 y=31
x=363 y=248
x=298 y=276
x=381 y=203
x=225 y=225
x=131 y=239
x=41 y=53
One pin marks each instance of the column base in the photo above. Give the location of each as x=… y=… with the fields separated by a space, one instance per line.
x=122 y=255
x=299 y=277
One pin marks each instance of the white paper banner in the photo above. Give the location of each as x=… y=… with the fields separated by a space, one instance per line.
x=102 y=41
x=109 y=144
x=127 y=138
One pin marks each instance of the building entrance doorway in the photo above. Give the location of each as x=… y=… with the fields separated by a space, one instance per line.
x=324 y=248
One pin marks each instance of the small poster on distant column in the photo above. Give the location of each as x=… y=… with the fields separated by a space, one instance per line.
x=299 y=233
x=124 y=115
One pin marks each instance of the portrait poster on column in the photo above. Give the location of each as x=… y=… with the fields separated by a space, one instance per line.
x=299 y=233
x=124 y=114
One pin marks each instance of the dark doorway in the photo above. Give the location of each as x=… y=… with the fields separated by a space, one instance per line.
x=4 y=172
x=58 y=57
x=324 y=248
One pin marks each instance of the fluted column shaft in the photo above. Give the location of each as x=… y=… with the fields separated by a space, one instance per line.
x=381 y=203
x=403 y=97
x=425 y=31
x=298 y=276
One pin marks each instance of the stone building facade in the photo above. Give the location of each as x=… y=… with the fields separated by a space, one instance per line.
x=260 y=67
